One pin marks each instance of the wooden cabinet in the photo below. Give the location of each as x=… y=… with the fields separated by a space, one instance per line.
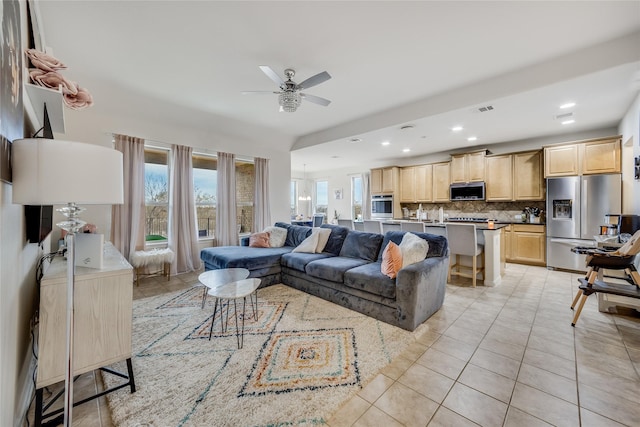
x=583 y=158
x=499 y=184
x=516 y=176
x=527 y=244
x=601 y=157
x=441 y=181
x=385 y=180
x=416 y=184
x=103 y=313
x=468 y=167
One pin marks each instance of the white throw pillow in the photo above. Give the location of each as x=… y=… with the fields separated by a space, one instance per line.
x=277 y=236
x=323 y=238
x=414 y=249
x=308 y=245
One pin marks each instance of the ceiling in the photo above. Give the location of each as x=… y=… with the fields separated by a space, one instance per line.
x=428 y=64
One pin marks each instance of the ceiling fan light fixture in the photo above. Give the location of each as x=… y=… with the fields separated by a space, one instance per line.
x=289 y=101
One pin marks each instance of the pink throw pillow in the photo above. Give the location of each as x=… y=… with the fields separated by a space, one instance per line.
x=391 y=260
x=259 y=240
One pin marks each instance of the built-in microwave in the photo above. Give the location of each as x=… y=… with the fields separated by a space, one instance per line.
x=381 y=207
x=469 y=191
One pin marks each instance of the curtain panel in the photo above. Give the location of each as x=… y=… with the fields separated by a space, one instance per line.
x=226 y=220
x=127 y=220
x=183 y=229
x=261 y=206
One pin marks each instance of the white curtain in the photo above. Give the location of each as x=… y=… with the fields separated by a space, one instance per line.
x=226 y=221
x=261 y=206
x=127 y=220
x=183 y=229
x=366 y=196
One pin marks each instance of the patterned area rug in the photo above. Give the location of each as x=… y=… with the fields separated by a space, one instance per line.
x=301 y=360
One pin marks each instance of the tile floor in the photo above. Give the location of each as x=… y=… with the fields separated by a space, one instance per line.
x=503 y=356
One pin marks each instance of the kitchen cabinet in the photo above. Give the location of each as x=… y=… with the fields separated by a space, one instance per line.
x=583 y=158
x=514 y=177
x=385 y=180
x=468 y=167
x=528 y=244
x=441 y=181
x=416 y=184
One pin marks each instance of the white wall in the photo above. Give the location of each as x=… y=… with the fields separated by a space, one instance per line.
x=338 y=179
x=630 y=130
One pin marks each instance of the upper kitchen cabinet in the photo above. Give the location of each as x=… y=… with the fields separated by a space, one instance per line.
x=385 y=180
x=583 y=158
x=499 y=179
x=441 y=181
x=516 y=176
x=468 y=167
x=416 y=184
x=601 y=156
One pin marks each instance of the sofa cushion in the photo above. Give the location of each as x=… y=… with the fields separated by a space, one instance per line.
x=370 y=279
x=391 y=260
x=333 y=268
x=414 y=249
x=323 y=238
x=259 y=240
x=336 y=238
x=296 y=234
x=298 y=261
x=308 y=245
x=438 y=245
x=242 y=257
x=359 y=244
x=277 y=236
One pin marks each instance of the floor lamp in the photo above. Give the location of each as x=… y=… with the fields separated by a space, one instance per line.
x=54 y=172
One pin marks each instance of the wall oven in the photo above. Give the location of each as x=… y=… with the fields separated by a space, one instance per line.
x=381 y=207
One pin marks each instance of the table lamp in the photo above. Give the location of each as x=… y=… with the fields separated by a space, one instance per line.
x=54 y=172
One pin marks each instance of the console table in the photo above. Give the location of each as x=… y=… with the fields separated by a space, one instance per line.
x=103 y=316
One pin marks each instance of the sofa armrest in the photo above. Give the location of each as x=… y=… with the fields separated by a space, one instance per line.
x=420 y=290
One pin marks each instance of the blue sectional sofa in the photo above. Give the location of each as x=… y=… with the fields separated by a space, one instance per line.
x=348 y=272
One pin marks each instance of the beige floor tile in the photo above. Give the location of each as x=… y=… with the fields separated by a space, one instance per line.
x=447 y=418
x=495 y=362
x=517 y=418
x=615 y=366
x=512 y=351
x=349 y=412
x=464 y=334
x=550 y=362
x=414 y=351
x=375 y=388
x=508 y=335
x=541 y=405
x=454 y=347
x=399 y=398
x=442 y=363
x=429 y=383
x=395 y=369
x=591 y=419
x=564 y=350
x=627 y=388
x=476 y=406
x=428 y=337
x=495 y=385
x=610 y=406
x=555 y=385
x=374 y=417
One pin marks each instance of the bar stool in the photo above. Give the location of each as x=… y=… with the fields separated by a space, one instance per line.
x=371 y=226
x=463 y=240
x=346 y=223
x=417 y=227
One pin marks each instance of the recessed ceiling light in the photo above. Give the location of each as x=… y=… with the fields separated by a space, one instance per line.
x=457 y=128
x=385 y=143
x=354 y=140
x=406 y=150
x=472 y=138
x=568 y=122
x=335 y=157
x=568 y=105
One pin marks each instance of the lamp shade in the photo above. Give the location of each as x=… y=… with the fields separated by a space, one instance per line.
x=55 y=172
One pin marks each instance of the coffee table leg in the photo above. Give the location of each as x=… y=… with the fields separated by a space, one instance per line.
x=235 y=313
x=213 y=319
x=254 y=307
x=204 y=296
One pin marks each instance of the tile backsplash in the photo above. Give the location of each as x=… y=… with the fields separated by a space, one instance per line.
x=501 y=211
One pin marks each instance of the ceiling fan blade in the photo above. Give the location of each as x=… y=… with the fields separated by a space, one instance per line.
x=258 y=92
x=316 y=99
x=272 y=74
x=314 y=80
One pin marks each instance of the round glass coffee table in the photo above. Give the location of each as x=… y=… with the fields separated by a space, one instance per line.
x=213 y=278
x=233 y=291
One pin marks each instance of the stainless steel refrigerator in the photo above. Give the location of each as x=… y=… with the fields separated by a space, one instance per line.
x=576 y=206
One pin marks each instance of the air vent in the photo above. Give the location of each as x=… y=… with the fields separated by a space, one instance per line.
x=564 y=116
x=485 y=108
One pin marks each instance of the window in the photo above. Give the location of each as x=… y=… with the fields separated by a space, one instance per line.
x=356 y=196
x=293 y=190
x=322 y=197
x=245 y=184
x=205 y=181
x=156 y=194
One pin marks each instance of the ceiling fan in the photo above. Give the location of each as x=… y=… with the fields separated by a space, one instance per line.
x=290 y=95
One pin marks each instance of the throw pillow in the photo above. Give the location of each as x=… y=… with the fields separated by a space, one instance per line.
x=391 y=260
x=414 y=249
x=323 y=238
x=277 y=236
x=259 y=240
x=308 y=245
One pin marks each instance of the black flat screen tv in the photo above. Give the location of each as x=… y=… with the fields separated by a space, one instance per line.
x=39 y=222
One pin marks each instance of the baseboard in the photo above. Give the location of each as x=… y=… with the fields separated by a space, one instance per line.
x=28 y=388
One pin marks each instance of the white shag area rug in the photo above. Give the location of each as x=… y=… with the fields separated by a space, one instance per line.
x=301 y=360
